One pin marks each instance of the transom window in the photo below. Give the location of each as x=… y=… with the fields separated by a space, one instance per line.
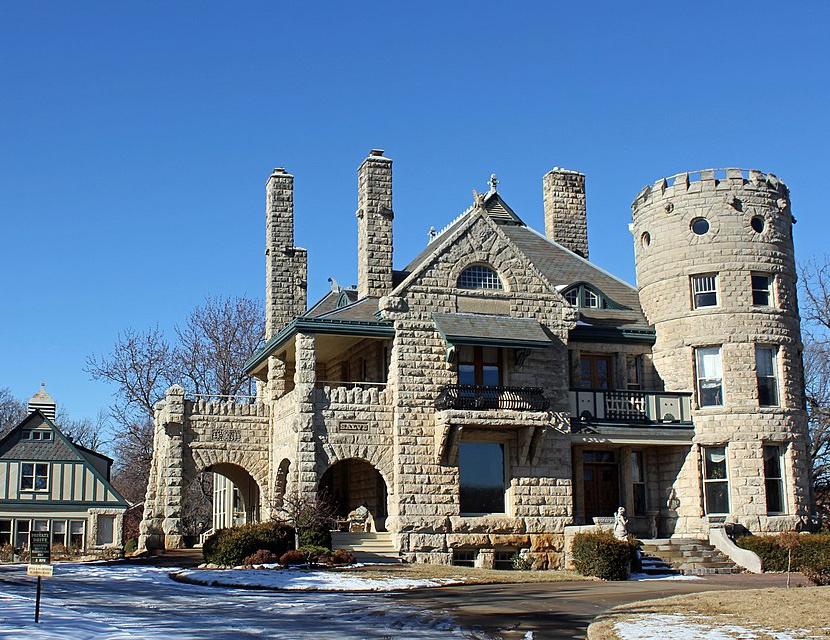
x=705 y=290
x=34 y=476
x=479 y=276
x=585 y=297
x=761 y=290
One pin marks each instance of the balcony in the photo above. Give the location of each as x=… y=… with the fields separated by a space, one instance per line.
x=487 y=398
x=635 y=408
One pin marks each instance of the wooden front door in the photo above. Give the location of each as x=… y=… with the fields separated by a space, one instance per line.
x=595 y=371
x=601 y=482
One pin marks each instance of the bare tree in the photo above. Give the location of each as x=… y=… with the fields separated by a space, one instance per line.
x=815 y=309
x=304 y=512
x=89 y=433
x=206 y=356
x=12 y=410
x=215 y=342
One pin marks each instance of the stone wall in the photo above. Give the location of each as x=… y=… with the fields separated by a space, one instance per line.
x=429 y=523
x=668 y=253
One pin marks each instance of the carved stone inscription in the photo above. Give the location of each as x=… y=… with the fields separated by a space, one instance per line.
x=226 y=435
x=353 y=427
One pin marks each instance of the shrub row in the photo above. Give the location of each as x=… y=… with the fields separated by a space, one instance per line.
x=318 y=555
x=811 y=554
x=603 y=556
x=232 y=546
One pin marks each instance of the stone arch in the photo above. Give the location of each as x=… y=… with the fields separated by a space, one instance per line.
x=379 y=457
x=281 y=478
x=354 y=482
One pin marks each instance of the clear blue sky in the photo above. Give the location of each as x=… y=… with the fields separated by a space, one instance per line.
x=136 y=138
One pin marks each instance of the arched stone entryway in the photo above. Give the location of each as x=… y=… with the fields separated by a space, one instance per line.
x=236 y=496
x=351 y=483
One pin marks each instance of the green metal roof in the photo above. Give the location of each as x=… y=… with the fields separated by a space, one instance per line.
x=497 y=331
x=361 y=328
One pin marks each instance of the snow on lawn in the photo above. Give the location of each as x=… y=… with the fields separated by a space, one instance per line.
x=134 y=602
x=678 y=627
x=644 y=577
x=306 y=580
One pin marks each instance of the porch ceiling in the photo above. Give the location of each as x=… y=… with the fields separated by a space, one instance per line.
x=652 y=436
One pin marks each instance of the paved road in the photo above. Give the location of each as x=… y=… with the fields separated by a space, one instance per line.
x=138 y=601
x=561 y=610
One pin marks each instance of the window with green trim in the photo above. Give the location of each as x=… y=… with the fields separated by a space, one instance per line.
x=585 y=297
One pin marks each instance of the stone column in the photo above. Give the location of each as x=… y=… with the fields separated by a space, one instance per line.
x=627 y=493
x=173 y=420
x=305 y=378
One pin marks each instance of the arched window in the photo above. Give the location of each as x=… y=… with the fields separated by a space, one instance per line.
x=585 y=297
x=479 y=276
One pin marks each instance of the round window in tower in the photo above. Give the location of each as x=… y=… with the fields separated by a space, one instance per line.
x=645 y=239
x=700 y=226
x=757 y=224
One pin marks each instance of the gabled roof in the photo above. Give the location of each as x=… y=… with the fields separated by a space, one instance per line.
x=58 y=448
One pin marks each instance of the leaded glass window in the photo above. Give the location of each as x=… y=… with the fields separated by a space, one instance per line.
x=479 y=276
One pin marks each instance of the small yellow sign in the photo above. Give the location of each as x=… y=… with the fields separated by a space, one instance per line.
x=40 y=570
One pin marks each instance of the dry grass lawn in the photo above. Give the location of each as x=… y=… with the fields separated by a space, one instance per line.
x=469 y=575
x=806 y=609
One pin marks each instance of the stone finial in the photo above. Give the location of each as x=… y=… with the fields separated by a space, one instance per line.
x=335 y=287
x=478 y=199
x=494 y=182
x=431 y=234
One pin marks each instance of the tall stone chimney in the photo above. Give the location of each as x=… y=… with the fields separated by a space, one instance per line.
x=566 y=218
x=374 y=225
x=286 y=266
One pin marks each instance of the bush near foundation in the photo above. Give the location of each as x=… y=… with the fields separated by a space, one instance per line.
x=603 y=556
x=232 y=546
x=131 y=545
x=811 y=555
x=315 y=538
x=292 y=557
x=262 y=556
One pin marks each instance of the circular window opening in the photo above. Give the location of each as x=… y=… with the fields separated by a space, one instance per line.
x=645 y=239
x=757 y=223
x=700 y=226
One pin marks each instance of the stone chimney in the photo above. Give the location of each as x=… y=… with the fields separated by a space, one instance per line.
x=566 y=218
x=43 y=402
x=374 y=225
x=286 y=266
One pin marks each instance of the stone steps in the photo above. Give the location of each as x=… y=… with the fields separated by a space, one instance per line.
x=376 y=546
x=686 y=556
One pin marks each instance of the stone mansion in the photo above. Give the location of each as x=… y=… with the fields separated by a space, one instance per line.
x=500 y=387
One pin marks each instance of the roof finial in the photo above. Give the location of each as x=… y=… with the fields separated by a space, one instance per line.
x=494 y=181
x=432 y=234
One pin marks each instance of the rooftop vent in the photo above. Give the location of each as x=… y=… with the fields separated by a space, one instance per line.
x=43 y=402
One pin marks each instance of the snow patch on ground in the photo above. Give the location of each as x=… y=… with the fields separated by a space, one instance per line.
x=679 y=627
x=306 y=580
x=644 y=577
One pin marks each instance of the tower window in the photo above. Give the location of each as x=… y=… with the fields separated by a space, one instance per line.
x=700 y=226
x=705 y=290
x=757 y=224
x=709 y=377
x=761 y=290
x=715 y=481
x=774 y=478
x=766 y=366
x=479 y=276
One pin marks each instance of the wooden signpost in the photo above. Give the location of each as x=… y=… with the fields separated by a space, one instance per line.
x=40 y=562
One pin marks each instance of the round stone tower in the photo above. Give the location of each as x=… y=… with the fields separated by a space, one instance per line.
x=717 y=280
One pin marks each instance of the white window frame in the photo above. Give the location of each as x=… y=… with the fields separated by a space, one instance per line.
x=705 y=284
x=770 y=290
x=34 y=476
x=10 y=531
x=83 y=533
x=782 y=451
x=53 y=532
x=699 y=379
x=17 y=523
x=706 y=480
x=775 y=377
x=482 y=277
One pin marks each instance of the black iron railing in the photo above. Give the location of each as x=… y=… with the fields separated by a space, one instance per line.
x=468 y=396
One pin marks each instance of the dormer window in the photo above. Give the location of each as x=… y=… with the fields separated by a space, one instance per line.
x=479 y=276
x=585 y=297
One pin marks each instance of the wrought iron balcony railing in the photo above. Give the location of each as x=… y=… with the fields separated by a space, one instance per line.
x=474 y=397
x=631 y=407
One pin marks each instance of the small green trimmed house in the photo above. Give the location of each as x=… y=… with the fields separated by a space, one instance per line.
x=50 y=483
